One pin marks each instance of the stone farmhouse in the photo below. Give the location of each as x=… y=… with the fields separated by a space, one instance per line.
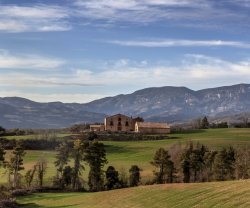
x=123 y=123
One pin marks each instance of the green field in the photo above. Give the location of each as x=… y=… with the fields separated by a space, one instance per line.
x=216 y=194
x=124 y=154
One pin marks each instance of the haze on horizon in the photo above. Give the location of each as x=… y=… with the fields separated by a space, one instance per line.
x=81 y=50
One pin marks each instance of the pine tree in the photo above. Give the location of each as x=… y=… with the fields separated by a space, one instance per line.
x=134 y=177
x=165 y=165
x=77 y=155
x=112 y=178
x=209 y=159
x=185 y=163
x=243 y=162
x=95 y=156
x=193 y=162
x=67 y=176
x=62 y=158
x=2 y=154
x=204 y=123
x=224 y=165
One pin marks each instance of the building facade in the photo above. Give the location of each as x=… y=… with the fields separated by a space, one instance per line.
x=119 y=122
x=152 y=128
x=122 y=123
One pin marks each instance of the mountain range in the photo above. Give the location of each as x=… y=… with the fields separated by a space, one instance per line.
x=164 y=104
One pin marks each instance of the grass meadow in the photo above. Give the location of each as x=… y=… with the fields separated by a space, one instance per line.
x=203 y=195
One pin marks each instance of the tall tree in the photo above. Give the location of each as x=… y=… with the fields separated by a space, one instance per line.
x=197 y=161
x=209 y=159
x=186 y=170
x=2 y=131
x=134 y=175
x=243 y=162
x=193 y=162
x=41 y=167
x=204 y=123
x=16 y=163
x=165 y=165
x=29 y=176
x=185 y=162
x=77 y=155
x=2 y=154
x=95 y=156
x=224 y=164
x=62 y=158
x=67 y=176
x=112 y=178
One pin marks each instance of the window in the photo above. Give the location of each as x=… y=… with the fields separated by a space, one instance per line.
x=111 y=123
x=119 y=123
x=126 y=123
x=119 y=119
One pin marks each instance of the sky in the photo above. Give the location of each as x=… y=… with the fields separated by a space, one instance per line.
x=82 y=50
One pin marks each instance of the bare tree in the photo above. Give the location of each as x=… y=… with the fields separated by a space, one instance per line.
x=41 y=167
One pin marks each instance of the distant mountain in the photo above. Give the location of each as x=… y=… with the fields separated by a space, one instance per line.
x=174 y=104
x=18 y=112
x=170 y=104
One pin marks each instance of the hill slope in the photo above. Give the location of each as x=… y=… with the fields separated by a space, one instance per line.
x=18 y=112
x=177 y=103
x=171 y=104
x=216 y=194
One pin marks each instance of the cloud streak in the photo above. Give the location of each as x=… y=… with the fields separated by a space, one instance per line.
x=191 y=13
x=51 y=17
x=37 y=18
x=180 y=43
x=33 y=62
x=194 y=70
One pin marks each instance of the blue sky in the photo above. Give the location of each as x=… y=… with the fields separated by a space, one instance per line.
x=81 y=50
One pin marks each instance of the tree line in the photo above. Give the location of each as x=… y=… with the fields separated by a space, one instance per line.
x=197 y=163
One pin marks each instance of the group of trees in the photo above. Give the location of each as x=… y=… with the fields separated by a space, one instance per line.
x=69 y=164
x=203 y=123
x=15 y=132
x=14 y=165
x=113 y=181
x=196 y=163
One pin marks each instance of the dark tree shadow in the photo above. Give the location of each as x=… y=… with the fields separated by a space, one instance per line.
x=33 y=205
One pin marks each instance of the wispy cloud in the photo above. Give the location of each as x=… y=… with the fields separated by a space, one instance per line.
x=180 y=43
x=51 y=17
x=34 y=18
x=136 y=5
x=34 y=62
x=52 y=97
x=135 y=11
x=194 y=70
x=172 y=12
